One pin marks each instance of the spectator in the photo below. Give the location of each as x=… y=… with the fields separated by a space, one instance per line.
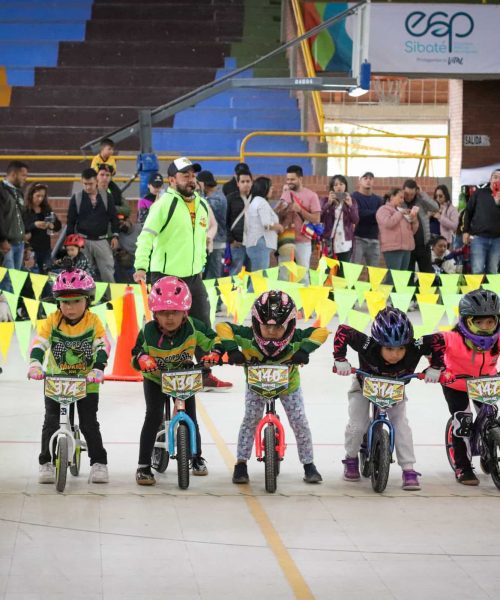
x=173 y=241
x=74 y=257
x=237 y=207
x=155 y=190
x=92 y=214
x=444 y=222
x=105 y=156
x=482 y=226
x=107 y=186
x=442 y=260
x=414 y=196
x=218 y=203
x=12 y=230
x=339 y=215
x=125 y=254
x=40 y=223
x=366 y=243
x=231 y=186
x=397 y=227
x=299 y=204
x=262 y=226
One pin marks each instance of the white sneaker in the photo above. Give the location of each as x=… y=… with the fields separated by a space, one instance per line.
x=98 y=473
x=47 y=473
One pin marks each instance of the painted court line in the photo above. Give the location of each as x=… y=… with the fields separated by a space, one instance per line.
x=290 y=570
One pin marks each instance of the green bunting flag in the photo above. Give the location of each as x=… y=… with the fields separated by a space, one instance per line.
x=100 y=289
x=400 y=279
x=401 y=300
x=273 y=273
x=23 y=334
x=358 y=320
x=450 y=303
x=17 y=278
x=49 y=307
x=345 y=300
x=352 y=271
x=317 y=277
x=244 y=303
x=12 y=302
x=449 y=283
x=361 y=287
x=431 y=315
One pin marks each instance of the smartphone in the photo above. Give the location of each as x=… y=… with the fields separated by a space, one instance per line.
x=340 y=196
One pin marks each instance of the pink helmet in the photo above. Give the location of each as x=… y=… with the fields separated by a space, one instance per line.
x=169 y=293
x=74 y=283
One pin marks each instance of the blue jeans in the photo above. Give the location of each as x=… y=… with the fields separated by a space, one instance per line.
x=13 y=259
x=398 y=260
x=259 y=255
x=238 y=257
x=485 y=254
x=213 y=268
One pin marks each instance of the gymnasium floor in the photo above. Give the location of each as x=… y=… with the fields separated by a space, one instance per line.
x=218 y=541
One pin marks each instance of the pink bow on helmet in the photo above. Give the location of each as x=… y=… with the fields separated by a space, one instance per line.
x=169 y=293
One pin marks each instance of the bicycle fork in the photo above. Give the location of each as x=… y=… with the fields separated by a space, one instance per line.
x=380 y=418
x=63 y=431
x=270 y=418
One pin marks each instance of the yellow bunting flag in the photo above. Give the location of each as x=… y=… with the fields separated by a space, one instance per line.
x=473 y=281
x=385 y=290
x=213 y=298
x=221 y=281
x=331 y=263
x=38 y=282
x=260 y=283
x=296 y=270
x=228 y=297
x=311 y=298
x=358 y=320
x=244 y=303
x=23 y=335
x=465 y=289
x=339 y=283
x=376 y=276
x=3 y=271
x=117 y=290
x=6 y=333
x=425 y=281
x=427 y=298
x=111 y=322
x=32 y=309
x=375 y=301
x=325 y=311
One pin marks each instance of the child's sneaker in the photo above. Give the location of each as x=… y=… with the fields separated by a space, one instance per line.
x=466 y=476
x=47 y=473
x=410 y=480
x=240 y=473
x=311 y=474
x=351 y=469
x=144 y=476
x=98 y=473
x=199 y=466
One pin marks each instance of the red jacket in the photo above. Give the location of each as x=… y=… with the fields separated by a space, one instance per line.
x=462 y=360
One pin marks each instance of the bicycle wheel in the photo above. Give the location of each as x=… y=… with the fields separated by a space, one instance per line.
x=61 y=464
x=364 y=463
x=160 y=457
x=270 y=458
x=77 y=456
x=183 y=456
x=448 y=441
x=381 y=459
x=493 y=441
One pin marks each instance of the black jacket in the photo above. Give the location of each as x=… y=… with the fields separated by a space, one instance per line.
x=482 y=214
x=235 y=205
x=40 y=239
x=92 y=222
x=11 y=215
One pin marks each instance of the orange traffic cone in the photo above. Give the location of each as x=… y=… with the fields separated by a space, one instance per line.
x=122 y=367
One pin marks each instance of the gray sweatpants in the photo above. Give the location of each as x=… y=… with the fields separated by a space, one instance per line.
x=99 y=253
x=295 y=411
x=359 y=419
x=366 y=251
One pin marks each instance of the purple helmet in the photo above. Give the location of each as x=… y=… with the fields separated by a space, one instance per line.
x=74 y=283
x=479 y=303
x=273 y=308
x=392 y=328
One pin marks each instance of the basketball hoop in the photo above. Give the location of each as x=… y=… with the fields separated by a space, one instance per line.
x=389 y=89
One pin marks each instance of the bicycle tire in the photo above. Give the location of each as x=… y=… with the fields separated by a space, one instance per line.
x=380 y=459
x=493 y=440
x=61 y=464
x=448 y=443
x=364 y=463
x=74 y=468
x=270 y=458
x=183 y=456
x=160 y=457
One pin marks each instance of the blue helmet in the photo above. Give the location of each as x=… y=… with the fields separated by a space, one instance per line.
x=392 y=328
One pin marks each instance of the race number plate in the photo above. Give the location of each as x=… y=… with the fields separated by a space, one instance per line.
x=484 y=389
x=268 y=381
x=383 y=392
x=65 y=390
x=181 y=384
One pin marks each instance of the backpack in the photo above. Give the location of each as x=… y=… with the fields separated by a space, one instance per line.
x=79 y=196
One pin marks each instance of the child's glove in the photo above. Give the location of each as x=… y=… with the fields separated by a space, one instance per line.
x=36 y=372
x=432 y=375
x=212 y=358
x=147 y=363
x=342 y=367
x=95 y=376
x=299 y=358
x=236 y=357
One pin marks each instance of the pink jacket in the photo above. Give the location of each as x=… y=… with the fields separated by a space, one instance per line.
x=395 y=233
x=449 y=222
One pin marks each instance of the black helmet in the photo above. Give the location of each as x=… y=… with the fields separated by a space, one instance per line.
x=273 y=308
x=479 y=303
x=392 y=328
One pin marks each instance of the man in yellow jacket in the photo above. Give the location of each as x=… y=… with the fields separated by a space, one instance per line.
x=173 y=241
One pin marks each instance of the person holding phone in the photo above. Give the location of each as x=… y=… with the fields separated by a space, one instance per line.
x=339 y=215
x=482 y=226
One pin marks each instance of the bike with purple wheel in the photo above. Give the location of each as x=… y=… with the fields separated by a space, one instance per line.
x=483 y=431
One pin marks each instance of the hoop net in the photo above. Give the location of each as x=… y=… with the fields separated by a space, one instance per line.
x=389 y=90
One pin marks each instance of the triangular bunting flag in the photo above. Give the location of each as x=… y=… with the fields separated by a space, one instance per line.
x=345 y=300
x=6 y=332
x=338 y=283
x=17 y=279
x=32 y=309
x=100 y=289
x=400 y=279
x=358 y=320
x=376 y=276
x=38 y=282
x=449 y=283
x=401 y=300
x=273 y=273
x=49 y=307
x=431 y=315
x=325 y=311
x=375 y=301
x=312 y=297
x=473 y=281
x=12 y=302
x=244 y=304
x=450 y=303
x=317 y=277
x=361 y=287
x=352 y=271
x=3 y=272
x=427 y=298
x=23 y=334
x=425 y=281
